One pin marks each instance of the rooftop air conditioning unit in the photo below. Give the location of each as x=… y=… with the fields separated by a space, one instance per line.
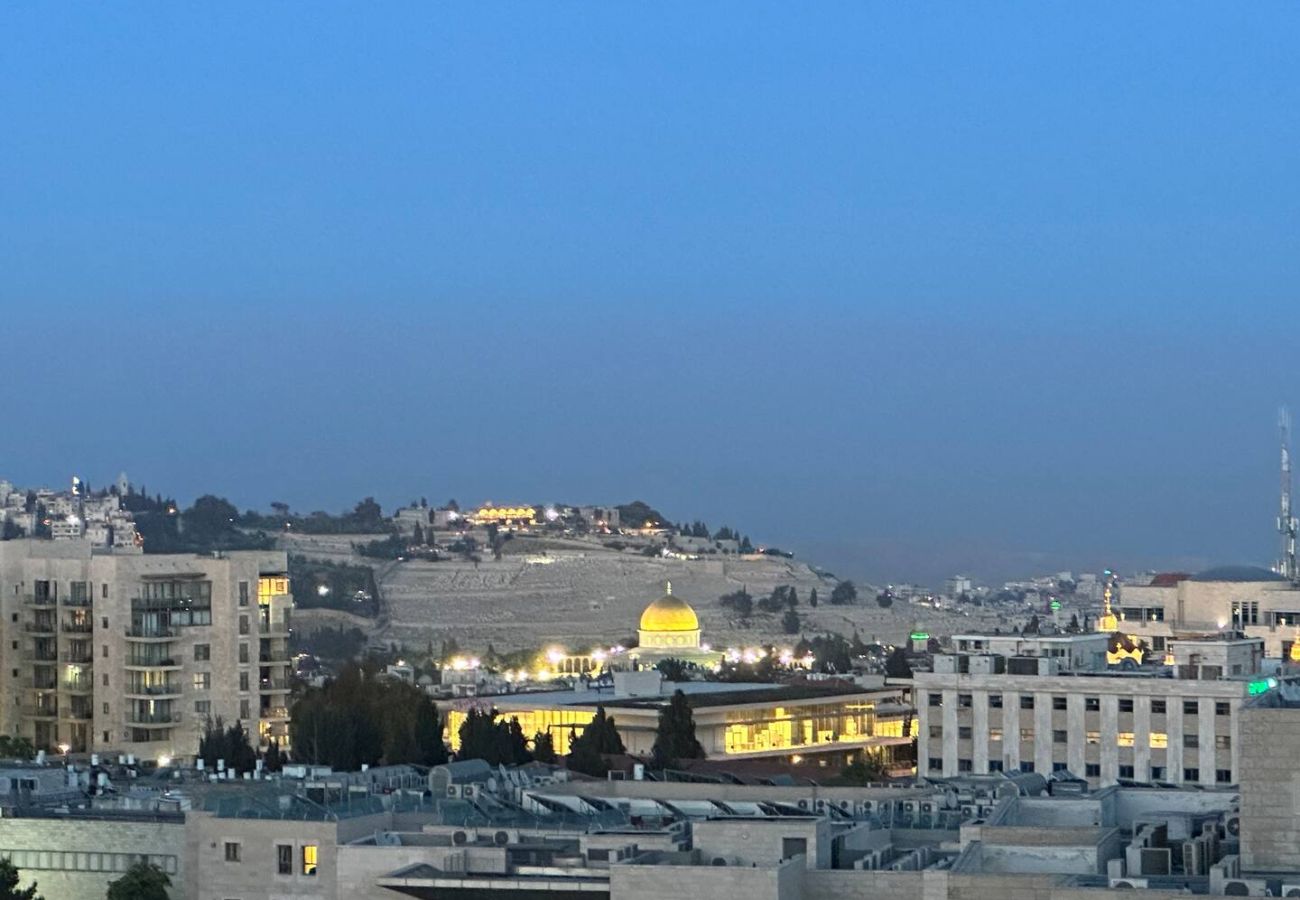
x=1245 y=887
x=1195 y=859
x=1232 y=825
x=803 y=804
x=460 y=838
x=1291 y=890
x=1129 y=883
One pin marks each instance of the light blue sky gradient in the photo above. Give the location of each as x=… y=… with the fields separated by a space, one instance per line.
x=908 y=288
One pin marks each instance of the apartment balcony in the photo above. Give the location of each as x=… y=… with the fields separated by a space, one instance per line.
x=274 y=657
x=41 y=684
x=34 y=600
x=78 y=715
x=41 y=654
x=77 y=686
x=152 y=663
x=153 y=691
x=274 y=685
x=276 y=626
x=77 y=627
x=39 y=628
x=78 y=657
x=151 y=633
x=275 y=714
x=153 y=719
x=46 y=711
x=76 y=602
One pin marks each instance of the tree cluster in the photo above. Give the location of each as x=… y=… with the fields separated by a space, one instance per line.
x=361 y=718
x=496 y=741
x=587 y=751
x=229 y=744
x=741 y=601
x=844 y=594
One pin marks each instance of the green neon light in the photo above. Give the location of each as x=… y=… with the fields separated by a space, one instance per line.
x=918 y=636
x=1261 y=686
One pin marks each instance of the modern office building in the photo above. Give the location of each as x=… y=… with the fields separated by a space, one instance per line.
x=130 y=652
x=1051 y=704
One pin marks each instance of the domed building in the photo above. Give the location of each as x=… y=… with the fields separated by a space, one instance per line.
x=669 y=629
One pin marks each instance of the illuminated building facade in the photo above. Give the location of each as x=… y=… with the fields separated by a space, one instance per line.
x=508 y=516
x=134 y=653
x=827 y=723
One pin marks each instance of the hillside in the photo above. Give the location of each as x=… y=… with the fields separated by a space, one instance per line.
x=578 y=594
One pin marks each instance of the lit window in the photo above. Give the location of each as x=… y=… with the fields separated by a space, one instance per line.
x=1124 y=739
x=309 y=859
x=995 y=734
x=1093 y=737
x=202 y=681
x=1159 y=740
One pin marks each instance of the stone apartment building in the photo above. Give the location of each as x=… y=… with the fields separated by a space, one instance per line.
x=127 y=652
x=1053 y=705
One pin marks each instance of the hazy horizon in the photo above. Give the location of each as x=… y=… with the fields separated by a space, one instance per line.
x=1002 y=289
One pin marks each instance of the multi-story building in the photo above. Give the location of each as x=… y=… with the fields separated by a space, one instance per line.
x=1050 y=704
x=128 y=652
x=1255 y=601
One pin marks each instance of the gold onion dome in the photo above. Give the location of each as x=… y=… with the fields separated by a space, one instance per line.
x=669 y=613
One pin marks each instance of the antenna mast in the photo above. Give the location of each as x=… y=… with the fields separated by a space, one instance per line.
x=1287 y=525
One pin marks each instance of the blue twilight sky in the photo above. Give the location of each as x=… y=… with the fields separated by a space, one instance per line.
x=908 y=288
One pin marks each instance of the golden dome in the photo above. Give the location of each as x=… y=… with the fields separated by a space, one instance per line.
x=669 y=613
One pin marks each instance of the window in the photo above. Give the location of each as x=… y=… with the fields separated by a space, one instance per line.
x=203 y=707
x=1026 y=701
x=1058 y=703
x=936 y=699
x=243 y=681
x=1125 y=771
x=1191 y=741
x=1092 y=770
x=105 y=709
x=243 y=709
x=103 y=590
x=936 y=731
x=103 y=622
x=1059 y=737
x=1191 y=707
x=964 y=765
x=1026 y=734
x=243 y=653
x=995 y=734
x=1091 y=704
x=105 y=651
x=1191 y=774
x=792 y=847
x=1159 y=740
x=1126 y=704
x=1157 y=773
x=202 y=681
x=1124 y=739
x=105 y=679
x=963 y=700
x=1222 y=708
x=963 y=732
x=1223 y=776
x=309 y=859
x=995 y=765
x=995 y=701
x=1059 y=766
x=243 y=624
x=1092 y=737
x=243 y=593
x=232 y=851
x=202 y=652
x=1157 y=707
x=936 y=765
x=1223 y=742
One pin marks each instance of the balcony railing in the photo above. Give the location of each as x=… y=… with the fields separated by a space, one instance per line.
x=41 y=655
x=39 y=627
x=153 y=690
x=275 y=712
x=275 y=657
x=34 y=600
x=135 y=717
x=147 y=632
x=81 y=657
x=273 y=684
x=80 y=715
x=41 y=684
x=76 y=602
x=77 y=686
x=153 y=662
x=78 y=627
x=49 y=711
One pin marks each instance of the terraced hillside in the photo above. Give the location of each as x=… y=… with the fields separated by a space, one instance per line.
x=578 y=595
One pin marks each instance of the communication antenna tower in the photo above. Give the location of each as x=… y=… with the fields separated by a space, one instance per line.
x=1287 y=525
